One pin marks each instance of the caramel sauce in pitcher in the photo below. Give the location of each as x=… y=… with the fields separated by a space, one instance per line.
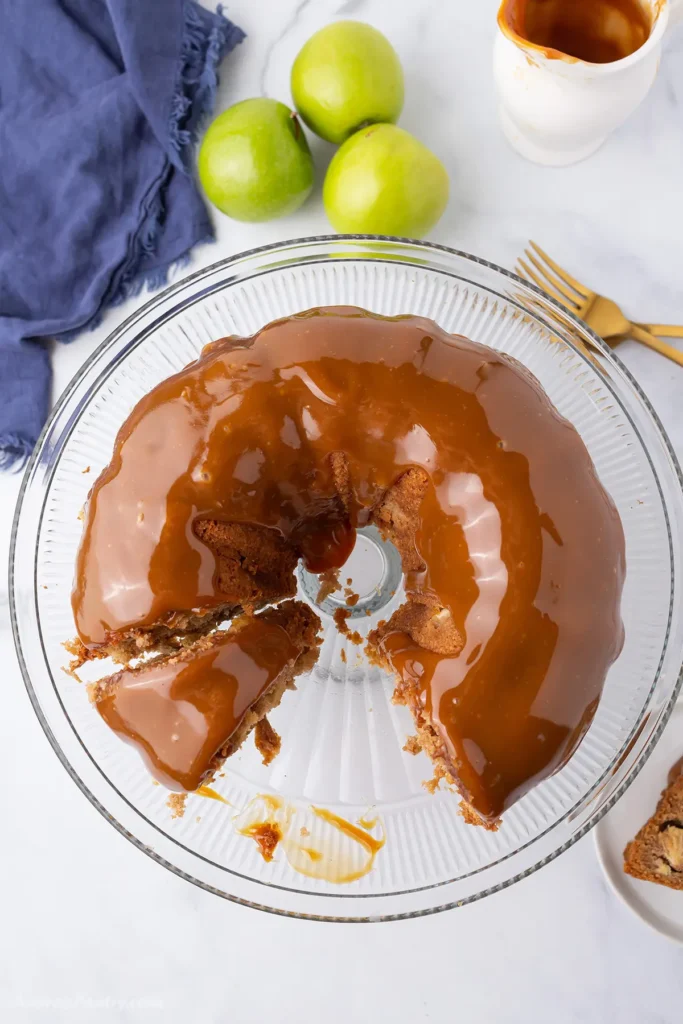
x=596 y=31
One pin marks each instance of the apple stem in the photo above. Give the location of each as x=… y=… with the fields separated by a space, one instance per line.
x=297 y=126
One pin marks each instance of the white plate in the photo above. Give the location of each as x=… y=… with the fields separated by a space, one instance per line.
x=658 y=906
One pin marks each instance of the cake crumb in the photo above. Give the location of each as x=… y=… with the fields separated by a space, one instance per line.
x=73 y=674
x=412 y=745
x=86 y=470
x=303 y=831
x=81 y=514
x=176 y=804
x=340 y=617
x=472 y=818
x=198 y=819
x=267 y=741
x=267 y=835
x=155 y=782
x=329 y=582
x=342 y=655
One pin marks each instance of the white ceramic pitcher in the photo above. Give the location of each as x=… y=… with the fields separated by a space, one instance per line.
x=556 y=111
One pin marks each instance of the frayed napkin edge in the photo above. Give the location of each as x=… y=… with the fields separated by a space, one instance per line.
x=195 y=69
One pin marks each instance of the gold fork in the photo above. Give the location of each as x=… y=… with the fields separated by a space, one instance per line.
x=663 y=330
x=603 y=315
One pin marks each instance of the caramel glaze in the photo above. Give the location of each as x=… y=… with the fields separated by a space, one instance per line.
x=596 y=31
x=517 y=539
x=180 y=714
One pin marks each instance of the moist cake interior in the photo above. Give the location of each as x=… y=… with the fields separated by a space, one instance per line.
x=656 y=853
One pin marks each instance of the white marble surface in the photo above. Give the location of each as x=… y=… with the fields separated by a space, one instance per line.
x=90 y=929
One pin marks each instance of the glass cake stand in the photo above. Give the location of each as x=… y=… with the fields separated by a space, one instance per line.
x=342 y=737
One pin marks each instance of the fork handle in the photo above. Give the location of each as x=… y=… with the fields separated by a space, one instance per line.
x=663 y=330
x=645 y=338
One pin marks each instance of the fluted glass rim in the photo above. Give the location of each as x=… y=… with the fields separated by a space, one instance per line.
x=294 y=251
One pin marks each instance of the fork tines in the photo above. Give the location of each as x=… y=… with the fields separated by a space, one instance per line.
x=552 y=278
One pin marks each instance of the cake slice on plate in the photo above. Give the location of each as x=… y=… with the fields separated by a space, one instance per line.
x=656 y=853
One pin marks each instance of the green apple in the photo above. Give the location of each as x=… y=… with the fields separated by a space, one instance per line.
x=347 y=75
x=254 y=161
x=383 y=181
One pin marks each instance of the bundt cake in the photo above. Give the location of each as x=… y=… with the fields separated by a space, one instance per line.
x=277 y=448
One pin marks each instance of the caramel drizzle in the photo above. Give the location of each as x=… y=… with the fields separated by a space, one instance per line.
x=520 y=545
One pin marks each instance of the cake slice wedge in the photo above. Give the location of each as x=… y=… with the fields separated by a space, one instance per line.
x=254 y=566
x=656 y=853
x=187 y=712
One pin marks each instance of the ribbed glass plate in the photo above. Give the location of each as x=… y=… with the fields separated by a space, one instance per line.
x=342 y=737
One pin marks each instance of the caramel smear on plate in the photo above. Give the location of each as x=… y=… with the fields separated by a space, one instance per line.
x=211 y=794
x=331 y=849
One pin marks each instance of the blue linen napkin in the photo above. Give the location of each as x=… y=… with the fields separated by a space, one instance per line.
x=100 y=101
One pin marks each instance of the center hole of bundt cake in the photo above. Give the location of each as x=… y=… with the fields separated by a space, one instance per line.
x=367 y=581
